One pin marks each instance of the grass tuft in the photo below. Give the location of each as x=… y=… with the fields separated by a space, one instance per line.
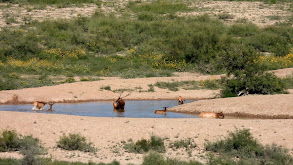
x=141 y=146
x=75 y=142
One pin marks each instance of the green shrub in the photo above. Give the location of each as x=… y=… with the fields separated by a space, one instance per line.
x=9 y=141
x=106 y=88
x=155 y=158
x=225 y=16
x=9 y=161
x=166 y=85
x=49 y=1
x=75 y=142
x=48 y=161
x=183 y=143
x=30 y=147
x=265 y=83
x=288 y=82
x=69 y=80
x=190 y=85
x=239 y=143
x=9 y=81
x=242 y=145
x=151 y=88
x=157 y=144
x=141 y=146
x=248 y=76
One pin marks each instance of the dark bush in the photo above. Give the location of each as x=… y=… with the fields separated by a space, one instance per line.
x=155 y=158
x=9 y=141
x=246 y=76
x=75 y=142
x=141 y=146
x=240 y=144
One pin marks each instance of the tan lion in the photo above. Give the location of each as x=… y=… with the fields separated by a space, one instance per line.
x=39 y=105
x=212 y=115
x=180 y=100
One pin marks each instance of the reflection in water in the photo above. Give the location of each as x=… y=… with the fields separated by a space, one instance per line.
x=134 y=109
x=119 y=114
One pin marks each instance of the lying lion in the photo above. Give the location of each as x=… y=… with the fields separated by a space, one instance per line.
x=212 y=115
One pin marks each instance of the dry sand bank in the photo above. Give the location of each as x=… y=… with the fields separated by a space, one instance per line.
x=91 y=91
x=261 y=106
x=107 y=133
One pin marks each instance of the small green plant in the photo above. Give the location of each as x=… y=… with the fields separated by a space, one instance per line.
x=49 y=161
x=143 y=145
x=121 y=90
x=9 y=141
x=183 y=143
x=246 y=75
x=166 y=85
x=106 y=88
x=155 y=158
x=225 y=16
x=288 y=82
x=69 y=80
x=28 y=146
x=151 y=88
x=190 y=85
x=75 y=142
x=241 y=144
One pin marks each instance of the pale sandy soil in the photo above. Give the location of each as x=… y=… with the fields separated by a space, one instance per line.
x=89 y=91
x=259 y=13
x=26 y=14
x=107 y=133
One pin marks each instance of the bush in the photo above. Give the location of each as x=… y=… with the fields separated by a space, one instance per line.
x=155 y=158
x=265 y=83
x=48 y=161
x=106 y=87
x=27 y=145
x=9 y=141
x=242 y=145
x=184 y=143
x=239 y=143
x=248 y=76
x=30 y=147
x=141 y=146
x=9 y=161
x=75 y=142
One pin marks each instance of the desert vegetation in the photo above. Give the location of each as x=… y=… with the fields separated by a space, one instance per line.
x=143 y=40
x=75 y=142
x=239 y=147
x=141 y=146
x=28 y=146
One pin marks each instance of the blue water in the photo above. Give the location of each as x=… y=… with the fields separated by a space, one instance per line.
x=133 y=109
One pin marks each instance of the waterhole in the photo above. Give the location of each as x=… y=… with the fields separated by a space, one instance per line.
x=133 y=109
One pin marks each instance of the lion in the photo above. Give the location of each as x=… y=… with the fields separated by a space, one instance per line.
x=39 y=105
x=180 y=100
x=212 y=115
